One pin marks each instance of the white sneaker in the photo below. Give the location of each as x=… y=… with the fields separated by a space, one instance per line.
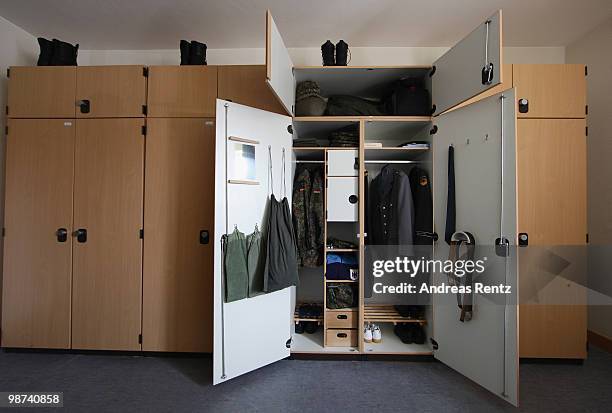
x=367 y=334
x=376 y=334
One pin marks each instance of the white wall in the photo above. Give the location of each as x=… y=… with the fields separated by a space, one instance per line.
x=16 y=48
x=312 y=56
x=594 y=49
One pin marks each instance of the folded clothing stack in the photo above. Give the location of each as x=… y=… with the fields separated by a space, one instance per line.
x=341 y=266
x=345 y=137
x=415 y=145
x=305 y=142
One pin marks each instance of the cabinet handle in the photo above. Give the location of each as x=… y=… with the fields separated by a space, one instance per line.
x=353 y=199
x=204 y=237
x=84 y=105
x=81 y=235
x=61 y=234
x=341 y=317
x=341 y=335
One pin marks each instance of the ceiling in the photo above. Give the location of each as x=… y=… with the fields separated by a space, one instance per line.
x=159 y=24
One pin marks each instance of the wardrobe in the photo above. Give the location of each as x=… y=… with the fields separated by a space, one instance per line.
x=109 y=204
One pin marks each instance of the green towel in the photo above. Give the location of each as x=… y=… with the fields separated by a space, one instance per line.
x=256 y=262
x=236 y=273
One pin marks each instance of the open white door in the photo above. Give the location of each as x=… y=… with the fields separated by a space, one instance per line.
x=279 y=67
x=470 y=67
x=252 y=332
x=483 y=137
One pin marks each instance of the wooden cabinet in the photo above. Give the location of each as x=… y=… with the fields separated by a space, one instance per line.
x=108 y=204
x=552 y=91
x=552 y=200
x=37 y=244
x=110 y=91
x=246 y=84
x=182 y=91
x=179 y=199
x=41 y=92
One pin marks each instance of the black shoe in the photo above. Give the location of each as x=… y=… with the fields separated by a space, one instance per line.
x=405 y=333
x=311 y=327
x=418 y=334
x=46 y=52
x=341 y=53
x=64 y=54
x=304 y=311
x=197 y=53
x=185 y=51
x=299 y=328
x=328 y=53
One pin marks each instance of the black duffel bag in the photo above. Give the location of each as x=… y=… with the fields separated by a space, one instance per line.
x=408 y=97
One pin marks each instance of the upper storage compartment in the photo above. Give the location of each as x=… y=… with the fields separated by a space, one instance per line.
x=111 y=91
x=182 y=91
x=469 y=68
x=41 y=92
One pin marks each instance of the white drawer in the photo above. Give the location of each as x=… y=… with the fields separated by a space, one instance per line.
x=342 y=162
x=342 y=201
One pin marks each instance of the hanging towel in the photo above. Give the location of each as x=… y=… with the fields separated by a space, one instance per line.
x=256 y=262
x=236 y=273
x=450 y=197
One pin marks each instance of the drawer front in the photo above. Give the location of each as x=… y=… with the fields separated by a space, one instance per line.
x=342 y=201
x=341 y=319
x=341 y=338
x=341 y=163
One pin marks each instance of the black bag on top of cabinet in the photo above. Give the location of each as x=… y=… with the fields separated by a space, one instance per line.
x=408 y=97
x=56 y=53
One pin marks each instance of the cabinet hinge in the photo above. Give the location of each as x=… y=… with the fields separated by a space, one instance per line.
x=586 y=70
x=587 y=238
x=6 y=130
x=143 y=130
x=145 y=71
x=434 y=344
x=586 y=131
x=7 y=110
x=432 y=71
x=141 y=233
x=3 y=231
x=139 y=338
x=144 y=109
x=8 y=72
x=586 y=109
x=434 y=130
x=290 y=129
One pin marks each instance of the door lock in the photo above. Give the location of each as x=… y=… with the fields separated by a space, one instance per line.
x=353 y=199
x=84 y=105
x=523 y=105
x=204 y=237
x=61 y=234
x=81 y=235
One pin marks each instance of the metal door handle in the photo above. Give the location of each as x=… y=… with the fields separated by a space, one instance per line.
x=81 y=235
x=61 y=234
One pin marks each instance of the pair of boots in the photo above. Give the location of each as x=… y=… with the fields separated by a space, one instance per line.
x=334 y=55
x=193 y=53
x=57 y=53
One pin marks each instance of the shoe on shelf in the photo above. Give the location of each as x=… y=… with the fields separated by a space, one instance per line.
x=299 y=328
x=311 y=327
x=405 y=332
x=328 y=52
x=418 y=334
x=376 y=334
x=367 y=334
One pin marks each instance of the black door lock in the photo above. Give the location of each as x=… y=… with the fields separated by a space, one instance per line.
x=523 y=239
x=61 y=234
x=84 y=105
x=487 y=74
x=204 y=237
x=81 y=235
x=523 y=105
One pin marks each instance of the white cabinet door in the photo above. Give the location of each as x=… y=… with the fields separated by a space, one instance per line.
x=252 y=332
x=342 y=201
x=279 y=67
x=484 y=349
x=458 y=73
x=342 y=162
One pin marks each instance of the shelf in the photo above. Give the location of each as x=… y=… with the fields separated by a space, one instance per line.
x=375 y=154
x=348 y=68
x=313 y=343
x=358 y=118
x=391 y=344
x=297 y=318
x=341 y=249
x=386 y=314
x=341 y=281
x=309 y=153
x=342 y=309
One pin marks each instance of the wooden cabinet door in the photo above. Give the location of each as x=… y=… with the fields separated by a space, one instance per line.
x=38 y=264
x=107 y=266
x=178 y=256
x=246 y=84
x=112 y=91
x=553 y=91
x=42 y=92
x=552 y=196
x=182 y=91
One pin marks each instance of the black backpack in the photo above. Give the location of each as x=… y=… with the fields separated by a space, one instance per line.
x=408 y=97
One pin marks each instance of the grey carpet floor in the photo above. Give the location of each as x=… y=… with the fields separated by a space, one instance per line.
x=120 y=383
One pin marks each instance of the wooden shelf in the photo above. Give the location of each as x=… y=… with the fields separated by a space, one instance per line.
x=304 y=67
x=393 y=153
x=342 y=309
x=366 y=118
x=341 y=249
x=386 y=314
x=297 y=318
x=341 y=281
